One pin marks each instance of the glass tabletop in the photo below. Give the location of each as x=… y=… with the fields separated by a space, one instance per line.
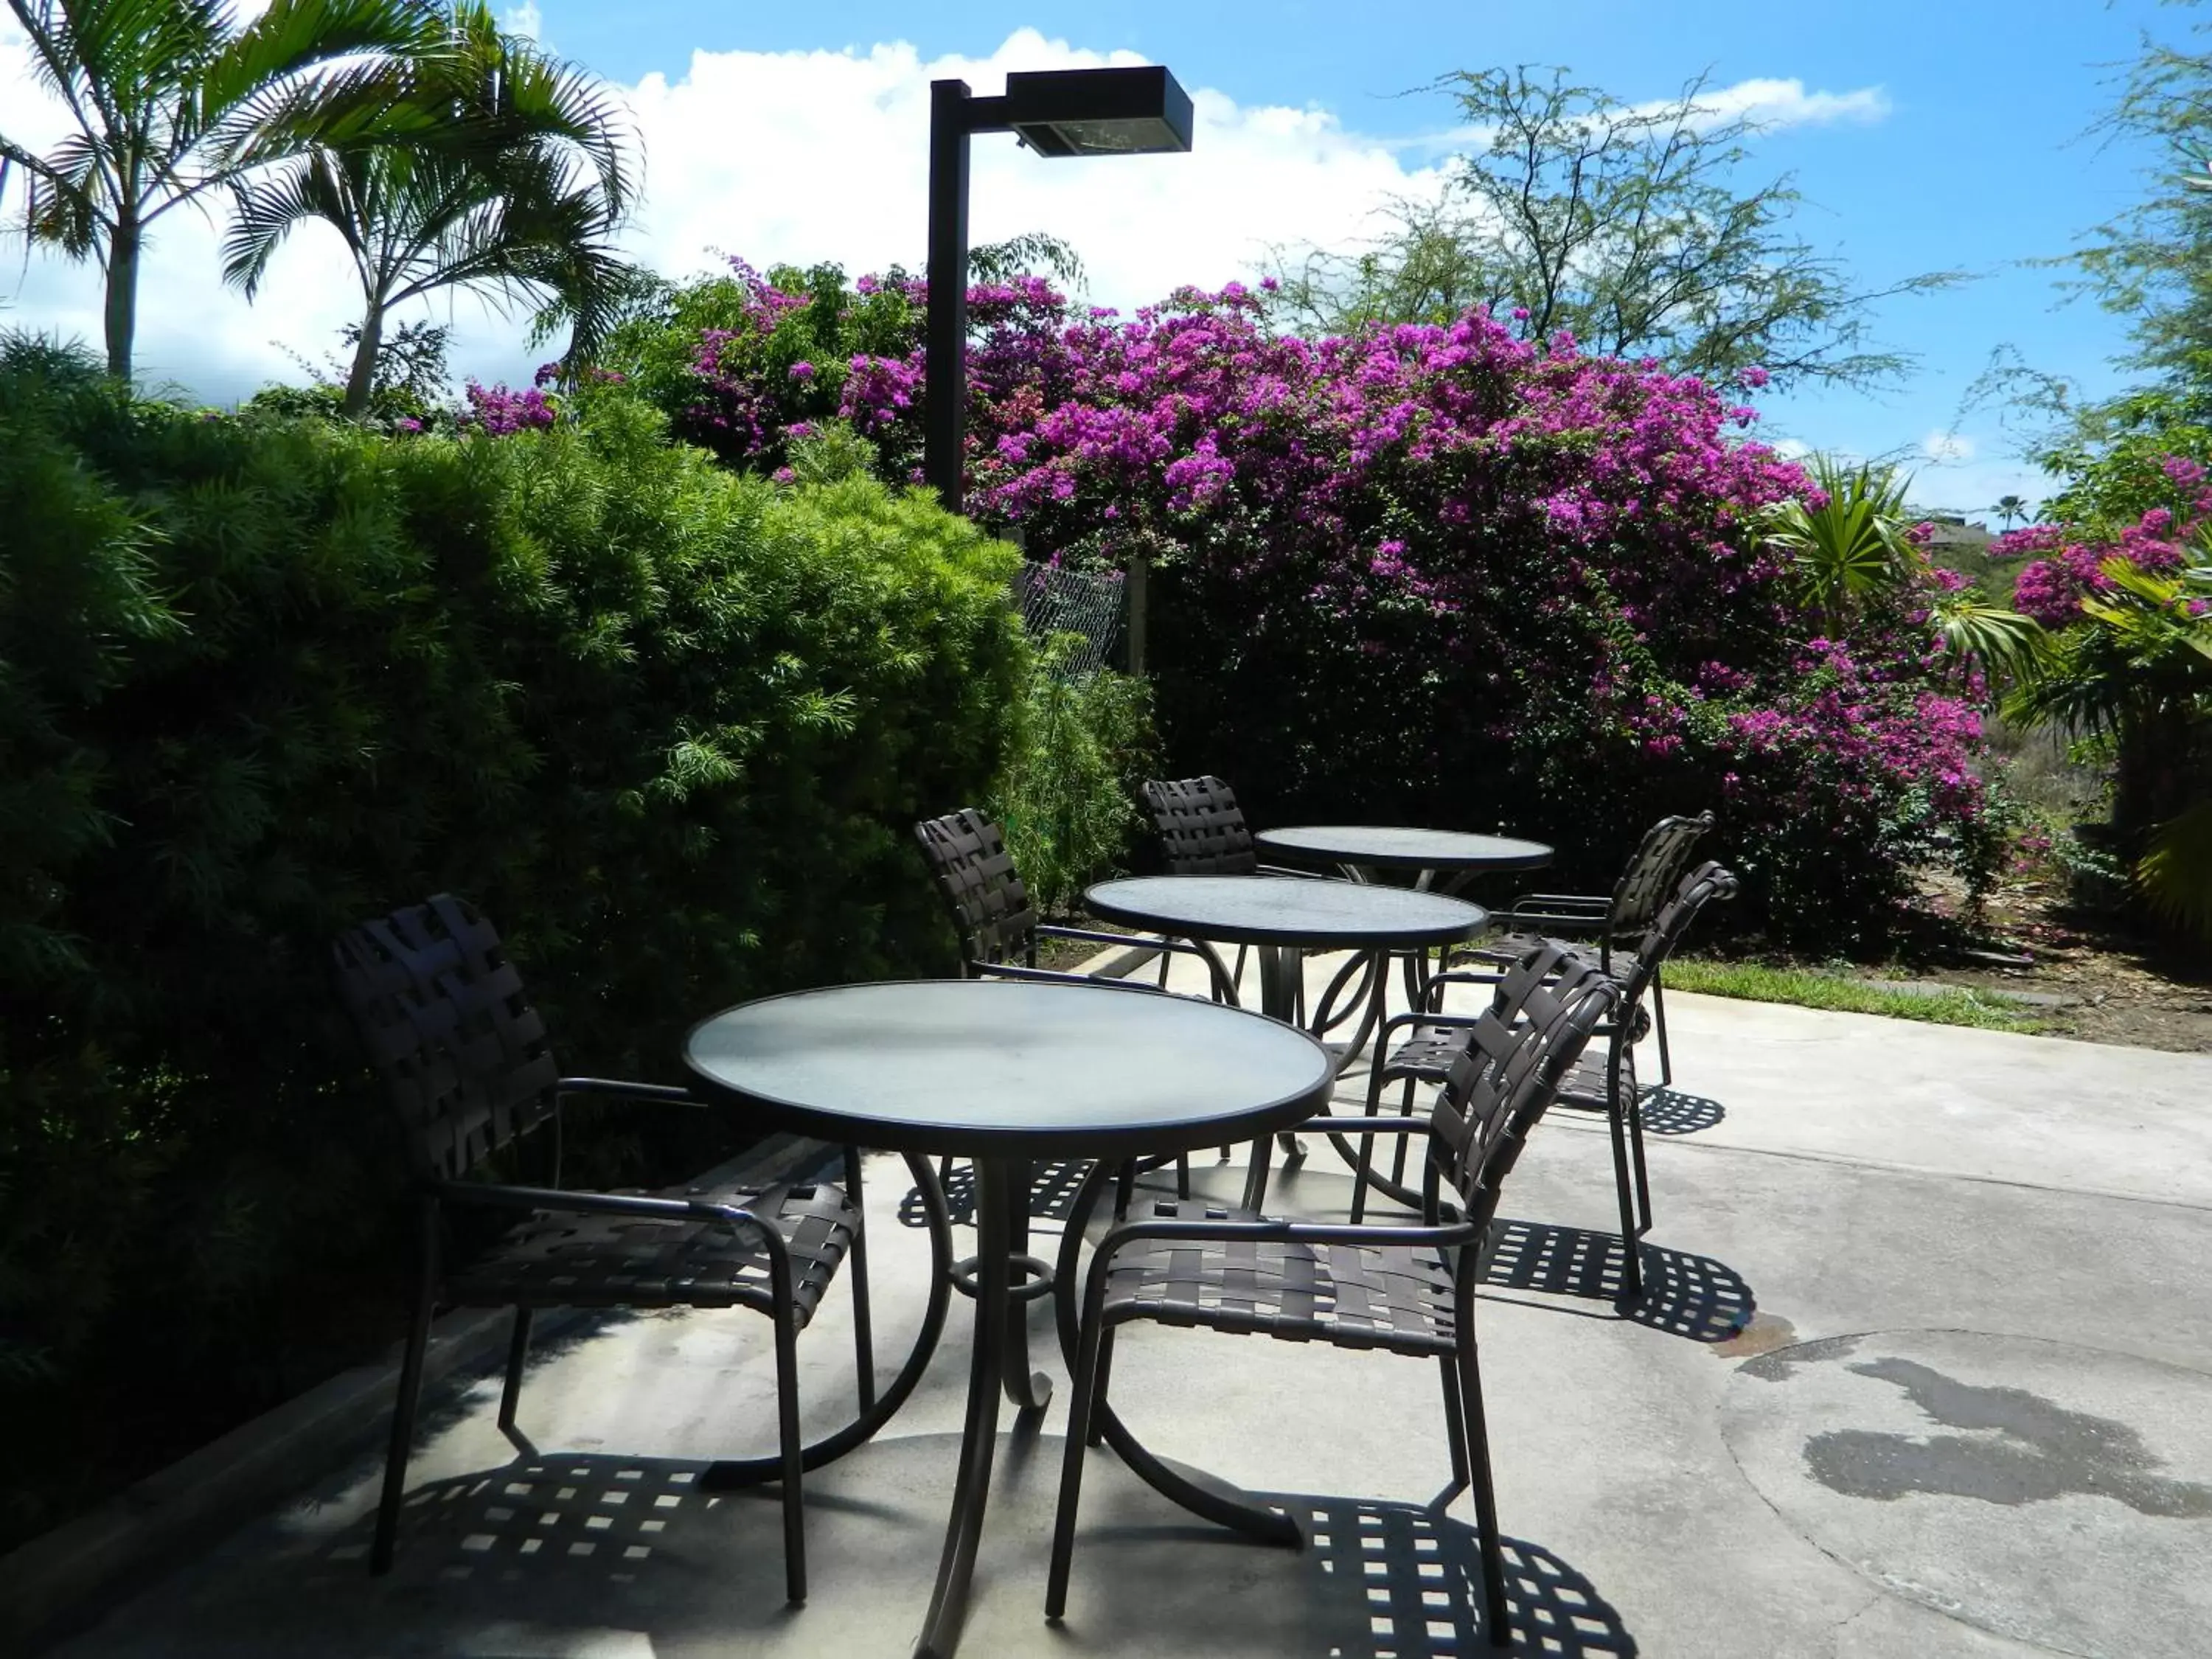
x=992 y=1066
x=1404 y=848
x=1338 y=915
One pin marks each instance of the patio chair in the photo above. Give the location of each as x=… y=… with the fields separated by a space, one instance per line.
x=1399 y=1289
x=1203 y=833
x=999 y=927
x=466 y=1067
x=1602 y=1082
x=1614 y=921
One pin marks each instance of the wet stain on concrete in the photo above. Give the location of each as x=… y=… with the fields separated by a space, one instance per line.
x=1779 y=1365
x=1761 y=1334
x=2025 y=1449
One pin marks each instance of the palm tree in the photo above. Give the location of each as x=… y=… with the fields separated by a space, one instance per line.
x=516 y=187
x=1858 y=545
x=2009 y=509
x=168 y=100
x=1853 y=545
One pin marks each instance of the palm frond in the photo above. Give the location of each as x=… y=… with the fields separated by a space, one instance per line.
x=2005 y=642
x=2176 y=874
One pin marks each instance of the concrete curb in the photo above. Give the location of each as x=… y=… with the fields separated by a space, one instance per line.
x=63 y=1579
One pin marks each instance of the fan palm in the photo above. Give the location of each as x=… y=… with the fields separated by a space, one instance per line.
x=1851 y=546
x=168 y=100
x=515 y=187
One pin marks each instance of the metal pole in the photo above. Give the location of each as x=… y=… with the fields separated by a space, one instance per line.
x=946 y=395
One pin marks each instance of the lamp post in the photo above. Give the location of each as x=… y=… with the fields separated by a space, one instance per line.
x=1056 y=112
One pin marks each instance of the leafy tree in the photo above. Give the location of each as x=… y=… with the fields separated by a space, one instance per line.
x=1625 y=225
x=2010 y=510
x=1032 y=253
x=521 y=179
x=168 y=100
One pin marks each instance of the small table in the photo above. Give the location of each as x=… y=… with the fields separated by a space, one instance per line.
x=1283 y=916
x=1005 y=1073
x=1361 y=848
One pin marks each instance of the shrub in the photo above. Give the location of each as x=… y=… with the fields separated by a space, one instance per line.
x=258 y=678
x=1067 y=799
x=1430 y=573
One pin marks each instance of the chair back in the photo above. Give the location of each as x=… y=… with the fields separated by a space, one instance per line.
x=441 y=1012
x=1708 y=882
x=1202 y=830
x=1542 y=1015
x=1653 y=870
x=991 y=909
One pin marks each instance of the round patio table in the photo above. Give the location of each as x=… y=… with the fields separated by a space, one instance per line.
x=1284 y=917
x=1441 y=860
x=1359 y=849
x=1006 y=1072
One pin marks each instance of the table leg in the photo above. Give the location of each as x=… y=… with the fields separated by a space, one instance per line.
x=1028 y=1390
x=1001 y=1192
x=1282 y=976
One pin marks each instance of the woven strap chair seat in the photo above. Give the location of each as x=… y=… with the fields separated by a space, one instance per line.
x=1511 y=947
x=1351 y=1296
x=556 y=1260
x=1584 y=1090
x=1426 y=1054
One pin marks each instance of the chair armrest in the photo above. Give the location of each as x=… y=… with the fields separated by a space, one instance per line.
x=1364 y=1124
x=494 y=1196
x=1053 y=977
x=1264 y=1232
x=1142 y=941
x=1598 y=901
x=614 y=1088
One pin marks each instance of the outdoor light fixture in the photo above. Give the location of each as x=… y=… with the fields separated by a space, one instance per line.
x=1056 y=112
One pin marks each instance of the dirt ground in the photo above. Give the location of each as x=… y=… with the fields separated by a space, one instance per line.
x=2106 y=982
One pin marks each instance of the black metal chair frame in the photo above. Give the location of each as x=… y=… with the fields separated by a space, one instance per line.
x=1437 y=1036
x=1424 y=1277
x=1609 y=920
x=466 y=1067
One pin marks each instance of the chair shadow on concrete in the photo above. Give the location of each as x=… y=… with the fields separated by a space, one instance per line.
x=1053 y=1188
x=1687 y=1296
x=1670 y=1112
x=1376 y=1580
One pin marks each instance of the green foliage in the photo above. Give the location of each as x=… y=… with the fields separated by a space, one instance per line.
x=1853 y=545
x=2175 y=873
x=1629 y=226
x=258 y=678
x=1067 y=801
x=1805 y=987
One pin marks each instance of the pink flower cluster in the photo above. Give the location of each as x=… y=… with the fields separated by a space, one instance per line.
x=2065 y=563
x=499 y=410
x=1551 y=552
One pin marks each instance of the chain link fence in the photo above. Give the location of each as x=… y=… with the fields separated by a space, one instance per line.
x=1086 y=603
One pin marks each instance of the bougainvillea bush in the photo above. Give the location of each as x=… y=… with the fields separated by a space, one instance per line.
x=1447 y=574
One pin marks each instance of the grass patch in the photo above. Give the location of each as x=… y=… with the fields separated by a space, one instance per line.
x=1808 y=987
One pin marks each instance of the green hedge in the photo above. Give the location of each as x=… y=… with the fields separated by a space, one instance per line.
x=668 y=724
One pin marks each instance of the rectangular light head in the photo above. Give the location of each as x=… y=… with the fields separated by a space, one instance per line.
x=1099 y=112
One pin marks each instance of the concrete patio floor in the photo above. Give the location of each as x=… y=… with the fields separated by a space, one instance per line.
x=1922 y=1370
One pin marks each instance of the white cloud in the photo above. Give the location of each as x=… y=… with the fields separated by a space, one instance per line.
x=524 y=20
x=804 y=156
x=1948 y=448
x=1773 y=103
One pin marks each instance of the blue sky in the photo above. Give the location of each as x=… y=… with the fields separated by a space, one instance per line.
x=1952 y=137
